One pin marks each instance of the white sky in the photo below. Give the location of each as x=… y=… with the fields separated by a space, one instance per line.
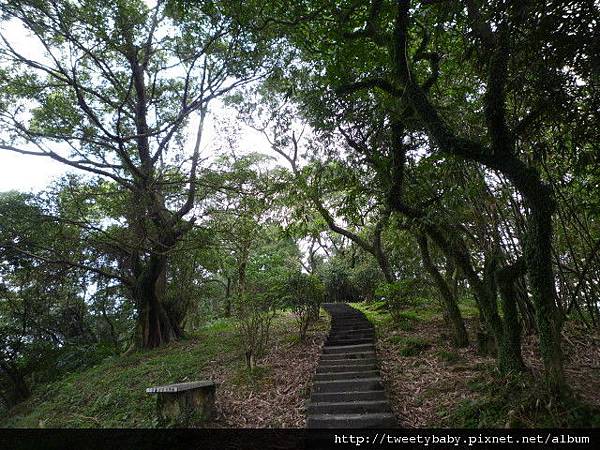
x=34 y=173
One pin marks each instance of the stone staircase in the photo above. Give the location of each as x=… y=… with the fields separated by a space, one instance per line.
x=347 y=391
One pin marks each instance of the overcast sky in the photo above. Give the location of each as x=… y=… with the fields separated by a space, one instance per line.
x=34 y=173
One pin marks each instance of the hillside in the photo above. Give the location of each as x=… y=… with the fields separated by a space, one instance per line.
x=112 y=394
x=432 y=384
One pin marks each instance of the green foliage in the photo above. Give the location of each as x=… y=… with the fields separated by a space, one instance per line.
x=410 y=346
x=399 y=296
x=112 y=393
x=254 y=315
x=377 y=313
x=253 y=378
x=303 y=293
x=518 y=401
x=371 y=157
x=338 y=284
x=450 y=357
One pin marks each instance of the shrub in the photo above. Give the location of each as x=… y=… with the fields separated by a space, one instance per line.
x=304 y=294
x=254 y=314
x=413 y=346
x=400 y=295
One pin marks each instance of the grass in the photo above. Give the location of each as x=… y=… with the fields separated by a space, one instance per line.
x=517 y=401
x=450 y=357
x=413 y=346
x=468 y=308
x=254 y=378
x=112 y=394
x=405 y=319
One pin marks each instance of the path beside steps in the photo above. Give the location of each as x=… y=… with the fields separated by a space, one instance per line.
x=347 y=391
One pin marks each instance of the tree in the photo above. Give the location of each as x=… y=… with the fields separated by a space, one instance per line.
x=334 y=187
x=43 y=310
x=113 y=96
x=304 y=294
x=388 y=56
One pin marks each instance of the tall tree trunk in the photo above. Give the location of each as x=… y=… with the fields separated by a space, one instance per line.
x=228 y=298
x=538 y=256
x=461 y=338
x=154 y=327
x=509 y=356
x=384 y=263
x=20 y=389
x=511 y=352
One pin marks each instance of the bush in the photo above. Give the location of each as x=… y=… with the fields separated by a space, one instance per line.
x=400 y=295
x=519 y=401
x=254 y=314
x=412 y=346
x=338 y=284
x=304 y=294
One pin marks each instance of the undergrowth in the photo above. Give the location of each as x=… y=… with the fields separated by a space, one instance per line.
x=112 y=393
x=517 y=401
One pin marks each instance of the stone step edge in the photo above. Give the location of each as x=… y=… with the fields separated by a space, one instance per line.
x=353 y=372
x=351 y=416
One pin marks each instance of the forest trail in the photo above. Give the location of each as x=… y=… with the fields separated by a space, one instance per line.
x=347 y=390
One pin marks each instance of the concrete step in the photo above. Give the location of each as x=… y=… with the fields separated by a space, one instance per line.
x=351 y=364
x=351 y=336
x=348 y=355
x=373 y=420
x=341 y=342
x=366 y=330
x=346 y=368
x=353 y=375
x=362 y=384
x=347 y=391
x=349 y=396
x=359 y=348
x=347 y=338
x=348 y=322
x=345 y=335
x=351 y=328
x=356 y=407
x=350 y=315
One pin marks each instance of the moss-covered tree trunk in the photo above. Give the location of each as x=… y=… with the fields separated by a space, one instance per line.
x=20 y=390
x=154 y=326
x=538 y=257
x=227 y=311
x=510 y=356
x=460 y=338
x=499 y=155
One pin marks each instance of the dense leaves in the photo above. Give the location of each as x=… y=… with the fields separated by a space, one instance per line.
x=410 y=150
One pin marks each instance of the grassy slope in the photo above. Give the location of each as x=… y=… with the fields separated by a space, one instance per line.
x=112 y=394
x=433 y=384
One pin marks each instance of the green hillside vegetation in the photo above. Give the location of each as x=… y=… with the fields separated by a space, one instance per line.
x=227 y=167
x=487 y=400
x=112 y=393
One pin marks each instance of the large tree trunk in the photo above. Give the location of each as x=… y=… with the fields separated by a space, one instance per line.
x=510 y=356
x=20 y=390
x=538 y=256
x=461 y=338
x=154 y=327
x=384 y=264
x=227 y=311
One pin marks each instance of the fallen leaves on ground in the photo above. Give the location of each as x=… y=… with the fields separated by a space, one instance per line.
x=277 y=399
x=422 y=387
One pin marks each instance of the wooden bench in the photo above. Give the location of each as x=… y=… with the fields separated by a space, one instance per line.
x=183 y=402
